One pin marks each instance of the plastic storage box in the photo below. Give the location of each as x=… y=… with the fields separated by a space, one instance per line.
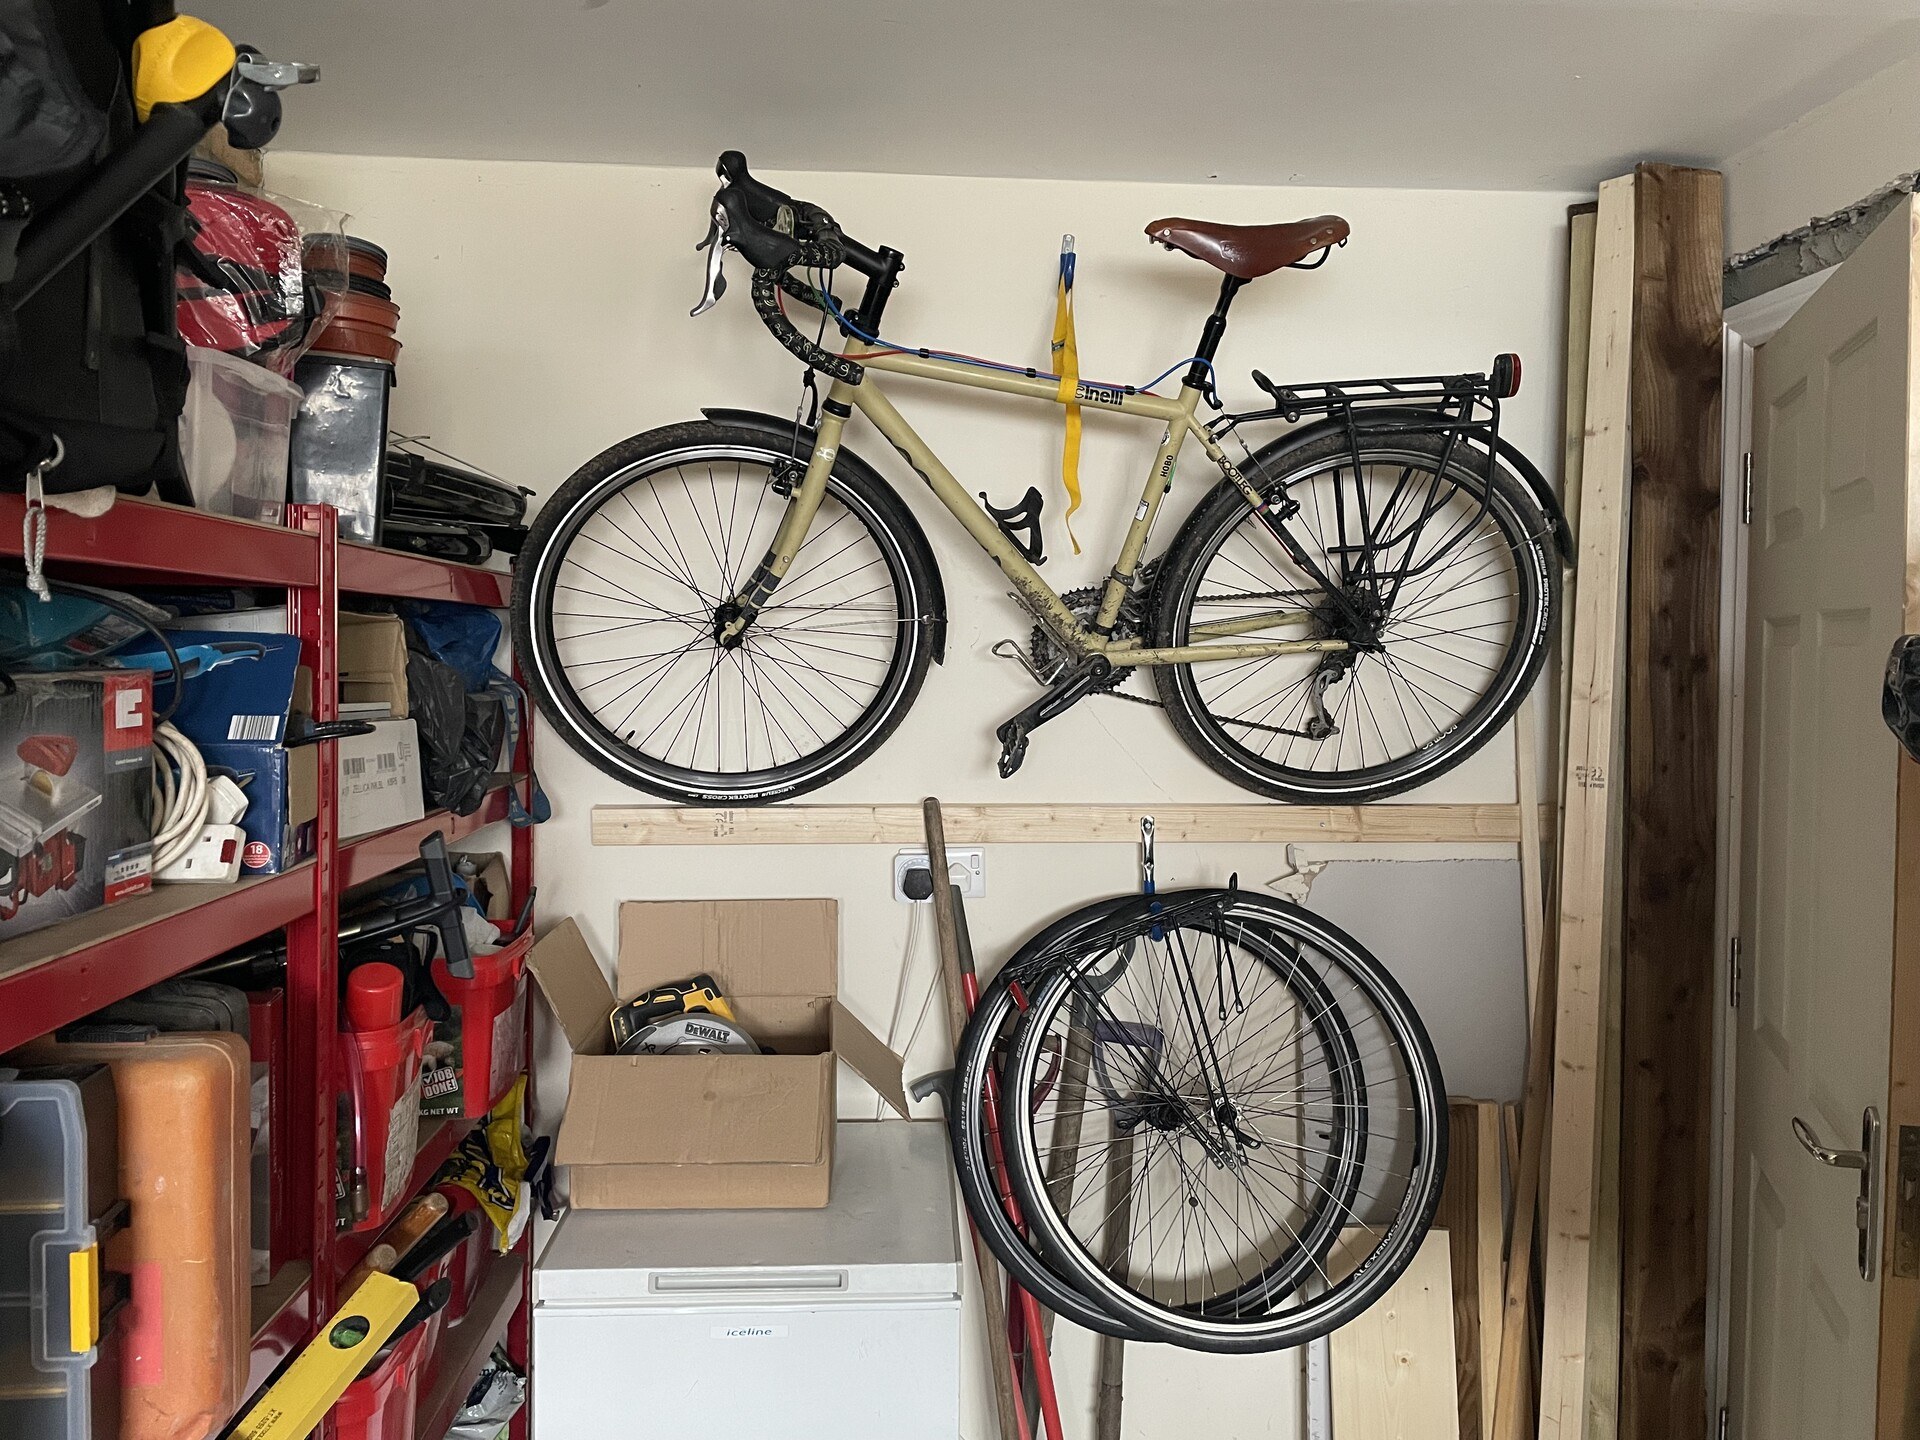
x=234 y=435
x=382 y=1071
x=380 y=1406
x=478 y=1053
x=184 y=1171
x=58 y=1175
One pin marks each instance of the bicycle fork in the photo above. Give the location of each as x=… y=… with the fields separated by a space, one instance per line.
x=733 y=619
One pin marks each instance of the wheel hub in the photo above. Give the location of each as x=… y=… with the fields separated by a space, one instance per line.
x=724 y=617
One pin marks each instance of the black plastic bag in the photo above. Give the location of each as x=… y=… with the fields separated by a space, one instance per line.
x=458 y=770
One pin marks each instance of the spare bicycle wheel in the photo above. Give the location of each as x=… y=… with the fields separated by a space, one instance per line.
x=1277 y=1107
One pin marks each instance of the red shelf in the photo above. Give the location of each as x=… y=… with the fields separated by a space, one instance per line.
x=368 y=857
x=281 y=1320
x=365 y=570
x=149 y=541
x=54 y=976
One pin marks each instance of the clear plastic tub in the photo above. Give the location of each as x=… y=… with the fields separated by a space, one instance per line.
x=49 y=1261
x=234 y=435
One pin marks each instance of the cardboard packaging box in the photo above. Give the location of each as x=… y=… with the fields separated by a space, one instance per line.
x=244 y=689
x=727 y=1132
x=379 y=778
x=373 y=662
x=76 y=780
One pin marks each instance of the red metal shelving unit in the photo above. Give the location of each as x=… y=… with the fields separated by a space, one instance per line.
x=66 y=971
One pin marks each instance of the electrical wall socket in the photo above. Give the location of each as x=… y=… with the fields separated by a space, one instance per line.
x=966 y=864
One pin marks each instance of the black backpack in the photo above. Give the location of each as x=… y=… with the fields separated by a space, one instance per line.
x=93 y=358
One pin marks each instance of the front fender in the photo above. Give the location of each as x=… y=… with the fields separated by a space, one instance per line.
x=781 y=432
x=1392 y=419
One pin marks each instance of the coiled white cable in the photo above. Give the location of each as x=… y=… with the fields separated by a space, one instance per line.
x=179 y=802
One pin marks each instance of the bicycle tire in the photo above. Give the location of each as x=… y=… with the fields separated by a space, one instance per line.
x=1236 y=747
x=1198 y=1327
x=910 y=592
x=967 y=1135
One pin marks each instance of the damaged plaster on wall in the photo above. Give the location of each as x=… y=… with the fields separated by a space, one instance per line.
x=1818 y=245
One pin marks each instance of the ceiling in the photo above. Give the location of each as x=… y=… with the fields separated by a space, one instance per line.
x=1493 y=94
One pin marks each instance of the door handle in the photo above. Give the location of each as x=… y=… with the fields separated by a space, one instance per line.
x=1866 y=1208
x=1839 y=1159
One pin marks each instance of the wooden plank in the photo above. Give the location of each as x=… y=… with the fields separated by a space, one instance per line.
x=1057 y=824
x=1584 y=902
x=1898 y=1403
x=1898 y=1409
x=1393 y=1365
x=1470 y=1211
x=1671 y=963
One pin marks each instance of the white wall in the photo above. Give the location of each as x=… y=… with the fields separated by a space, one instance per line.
x=1827 y=159
x=545 y=317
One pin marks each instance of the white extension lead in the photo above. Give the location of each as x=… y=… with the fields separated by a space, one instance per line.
x=179 y=801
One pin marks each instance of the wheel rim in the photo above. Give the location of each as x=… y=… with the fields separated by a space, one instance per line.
x=628 y=595
x=1453 y=642
x=1263 y=1295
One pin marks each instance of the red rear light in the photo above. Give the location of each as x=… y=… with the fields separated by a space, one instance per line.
x=1504 y=380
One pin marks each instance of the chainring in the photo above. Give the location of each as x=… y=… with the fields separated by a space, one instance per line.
x=1050 y=661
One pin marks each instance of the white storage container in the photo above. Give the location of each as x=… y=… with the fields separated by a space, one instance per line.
x=234 y=435
x=833 y=1324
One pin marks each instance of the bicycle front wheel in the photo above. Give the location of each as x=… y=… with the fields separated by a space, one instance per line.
x=1444 y=581
x=617 y=596
x=1268 y=1105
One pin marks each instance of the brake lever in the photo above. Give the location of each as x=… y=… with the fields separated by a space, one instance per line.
x=716 y=247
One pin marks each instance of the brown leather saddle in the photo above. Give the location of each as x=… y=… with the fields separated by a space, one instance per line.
x=1247 y=252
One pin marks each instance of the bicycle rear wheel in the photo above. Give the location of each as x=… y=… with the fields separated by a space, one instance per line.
x=616 y=597
x=1448 y=587
x=1280 y=1115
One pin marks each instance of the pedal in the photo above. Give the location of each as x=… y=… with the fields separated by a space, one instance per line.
x=1013 y=747
x=1068 y=691
x=1021 y=523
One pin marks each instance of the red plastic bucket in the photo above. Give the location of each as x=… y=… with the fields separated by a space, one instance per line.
x=382 y=1074
x=469 y=1257
x=381 y=1406
x=493 y=1022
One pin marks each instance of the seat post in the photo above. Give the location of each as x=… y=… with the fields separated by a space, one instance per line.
x=1212 y=333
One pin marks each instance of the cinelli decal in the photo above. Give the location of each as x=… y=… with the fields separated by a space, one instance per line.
x=1099 y=394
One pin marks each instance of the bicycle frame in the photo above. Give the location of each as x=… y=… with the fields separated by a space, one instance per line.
x=1081 y=640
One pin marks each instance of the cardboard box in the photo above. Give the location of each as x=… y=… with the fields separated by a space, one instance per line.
x=246 y=687
x=379 y=778
x=373 y=662
x=727 y=1132
x=76 y=781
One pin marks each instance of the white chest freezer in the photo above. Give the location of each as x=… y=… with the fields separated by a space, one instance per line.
x=834 y=1324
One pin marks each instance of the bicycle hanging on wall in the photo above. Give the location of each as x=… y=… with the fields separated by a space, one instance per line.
x=738 y=609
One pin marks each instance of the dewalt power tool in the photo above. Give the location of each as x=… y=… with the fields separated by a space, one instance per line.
x=690 y=1017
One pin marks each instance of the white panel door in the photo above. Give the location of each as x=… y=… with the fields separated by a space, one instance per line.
x=1827 y=570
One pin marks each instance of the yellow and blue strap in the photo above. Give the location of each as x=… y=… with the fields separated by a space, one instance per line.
x=1066 y=364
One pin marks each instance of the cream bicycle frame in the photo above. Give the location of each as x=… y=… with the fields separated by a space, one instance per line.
x=1177 y=413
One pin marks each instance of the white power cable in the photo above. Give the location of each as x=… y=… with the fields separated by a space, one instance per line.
x=179 y=803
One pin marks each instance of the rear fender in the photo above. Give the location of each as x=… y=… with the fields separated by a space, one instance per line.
x=1390 y=419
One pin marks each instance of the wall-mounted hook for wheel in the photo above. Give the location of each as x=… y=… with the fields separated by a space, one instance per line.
x=1021 y=523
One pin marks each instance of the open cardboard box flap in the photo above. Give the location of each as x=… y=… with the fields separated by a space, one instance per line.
x=774 y=957
x=752 y=947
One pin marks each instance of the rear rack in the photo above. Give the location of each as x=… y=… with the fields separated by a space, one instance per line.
x=1454 y=406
